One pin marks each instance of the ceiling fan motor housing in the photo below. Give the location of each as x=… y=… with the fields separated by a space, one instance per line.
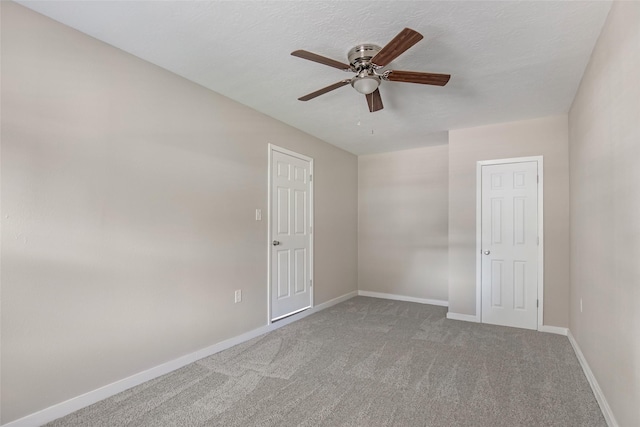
x=360 y=56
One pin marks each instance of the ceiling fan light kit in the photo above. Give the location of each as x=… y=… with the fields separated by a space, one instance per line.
x=365 y=84
x=365 y=60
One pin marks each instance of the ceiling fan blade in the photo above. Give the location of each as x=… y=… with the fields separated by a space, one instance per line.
x=324 y=90
x=320 y=59
x=374 y=101
x=417 y=77
x=400 y=43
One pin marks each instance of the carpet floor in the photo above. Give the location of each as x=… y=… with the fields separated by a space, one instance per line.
x=367 y=362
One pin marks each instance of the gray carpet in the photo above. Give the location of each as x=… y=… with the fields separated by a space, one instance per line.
x=367 y=362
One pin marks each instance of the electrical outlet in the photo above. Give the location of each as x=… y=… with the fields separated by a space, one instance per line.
x=580 y=305
x=238 y=296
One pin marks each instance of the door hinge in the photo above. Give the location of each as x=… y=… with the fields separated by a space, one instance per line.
x=538 y=240
x=310 y=178
x=537 y=303
x=310 y=282
x=538 y=179
x=310 y=230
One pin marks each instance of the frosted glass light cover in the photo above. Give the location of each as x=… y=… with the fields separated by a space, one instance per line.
x=366 y=85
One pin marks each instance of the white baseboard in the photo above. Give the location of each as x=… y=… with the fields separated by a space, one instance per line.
x=280 y=323
x=553 y=330
x=597 y=391
x=403 y=298
x=333 y=302
x=67 y=407
x=463 y=317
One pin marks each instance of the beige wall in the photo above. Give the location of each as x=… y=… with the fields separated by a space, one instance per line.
x=402 y=223
x=547 y=137
x=128 y=198
x=128 y=204
x=604 y=124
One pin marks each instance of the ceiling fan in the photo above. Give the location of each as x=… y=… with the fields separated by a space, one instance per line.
x=366 y=60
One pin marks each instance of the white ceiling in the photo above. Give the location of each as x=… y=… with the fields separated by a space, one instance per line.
x=508 y=60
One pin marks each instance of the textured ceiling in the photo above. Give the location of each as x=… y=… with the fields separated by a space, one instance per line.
x=508 y=60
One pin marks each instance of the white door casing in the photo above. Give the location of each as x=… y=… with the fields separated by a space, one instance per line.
x=290 y=233
x=510 y=252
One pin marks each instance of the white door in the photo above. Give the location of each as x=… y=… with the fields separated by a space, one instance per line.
x=290 y=244
x=510 y=244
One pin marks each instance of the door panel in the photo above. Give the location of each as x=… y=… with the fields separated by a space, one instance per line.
x=300 y=213
x=519 y=285
x=496 y=282
x=282 y=275
x=300 y=270
x=509 y=209
x=291 y=235
x=283 y=211
x=496 y=221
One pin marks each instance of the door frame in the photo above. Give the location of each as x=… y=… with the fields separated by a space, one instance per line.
x=271 y=149
x=479 y=165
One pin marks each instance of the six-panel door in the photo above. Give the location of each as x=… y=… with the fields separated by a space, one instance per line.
x=510 y=244
x=290 y=232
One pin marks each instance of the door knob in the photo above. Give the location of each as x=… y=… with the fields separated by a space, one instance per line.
x=487 y=252
x=276 y=243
